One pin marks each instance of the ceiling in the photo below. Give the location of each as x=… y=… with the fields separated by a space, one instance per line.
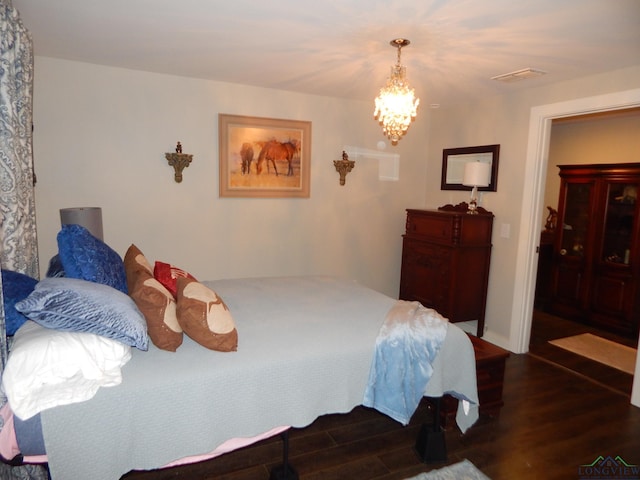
x=340 y=48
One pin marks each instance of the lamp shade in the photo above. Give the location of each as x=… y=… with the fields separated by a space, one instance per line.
x=87 y=217
x=477 y=174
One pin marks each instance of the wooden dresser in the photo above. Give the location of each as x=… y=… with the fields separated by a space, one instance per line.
x=445 y=261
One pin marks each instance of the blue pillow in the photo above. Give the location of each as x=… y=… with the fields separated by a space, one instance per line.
x=73 y=305
x=55 y=268
x=86 y=257
x=15 y=287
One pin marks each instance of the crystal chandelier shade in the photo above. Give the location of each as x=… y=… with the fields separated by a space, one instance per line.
x=396 y=104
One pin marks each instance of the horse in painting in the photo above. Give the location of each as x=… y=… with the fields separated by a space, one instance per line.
x=274 y=150
x=246 y=155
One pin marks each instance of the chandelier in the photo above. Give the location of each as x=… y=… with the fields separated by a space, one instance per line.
x=396 y=104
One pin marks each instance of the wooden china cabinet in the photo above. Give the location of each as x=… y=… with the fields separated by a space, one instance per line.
x=445 y=261
x=596 y=258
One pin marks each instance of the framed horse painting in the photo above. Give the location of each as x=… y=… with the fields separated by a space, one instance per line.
x=264 y=157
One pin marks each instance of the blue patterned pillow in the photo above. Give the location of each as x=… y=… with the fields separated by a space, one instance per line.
x=73 y=305
x=86 y=257
x=15 y=287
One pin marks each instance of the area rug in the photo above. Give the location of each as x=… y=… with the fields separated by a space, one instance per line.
x=601 y=350
x=465 y=470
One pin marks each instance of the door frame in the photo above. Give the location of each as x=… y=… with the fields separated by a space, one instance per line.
x=540 y=122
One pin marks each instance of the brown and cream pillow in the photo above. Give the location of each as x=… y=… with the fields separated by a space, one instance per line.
x=204 y=317
x=159 y=309
x=134 y=264
x=155 y=302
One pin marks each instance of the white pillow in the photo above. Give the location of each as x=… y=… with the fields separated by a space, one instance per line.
x=47 y=368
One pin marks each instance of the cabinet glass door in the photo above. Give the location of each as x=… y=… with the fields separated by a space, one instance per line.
x=575 y=225
x=570 y=286
x=617 y=242
x=613 y=295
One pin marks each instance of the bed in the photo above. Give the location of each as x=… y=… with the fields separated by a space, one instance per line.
x=305 y=348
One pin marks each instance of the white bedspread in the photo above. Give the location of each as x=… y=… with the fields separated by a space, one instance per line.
x=305 y=348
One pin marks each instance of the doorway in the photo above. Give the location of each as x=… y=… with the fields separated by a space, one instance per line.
x=535 y=169
x=595 y=138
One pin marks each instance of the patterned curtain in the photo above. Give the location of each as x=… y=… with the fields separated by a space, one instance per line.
x=18 y=240
x=19 y=249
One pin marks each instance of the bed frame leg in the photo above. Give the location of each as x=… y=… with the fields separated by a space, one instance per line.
x=430 y=444
x=284 y=471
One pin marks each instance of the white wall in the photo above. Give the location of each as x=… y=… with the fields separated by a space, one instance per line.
x=100 y=138
x=603 y=138
x=101 y=134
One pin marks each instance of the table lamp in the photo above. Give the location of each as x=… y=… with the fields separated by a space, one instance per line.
x=87 y=217
x=476 y=174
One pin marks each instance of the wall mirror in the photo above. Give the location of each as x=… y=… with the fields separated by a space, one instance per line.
x=454 y=159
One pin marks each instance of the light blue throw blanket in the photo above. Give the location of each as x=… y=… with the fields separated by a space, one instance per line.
x=406 y=347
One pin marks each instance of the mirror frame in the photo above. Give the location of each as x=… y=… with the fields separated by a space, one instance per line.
x=453 y=160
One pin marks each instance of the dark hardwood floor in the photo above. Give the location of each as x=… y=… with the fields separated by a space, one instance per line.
x=547 y=327
x=553 y=421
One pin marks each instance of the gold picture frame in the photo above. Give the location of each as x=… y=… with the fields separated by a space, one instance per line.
x=264 y=157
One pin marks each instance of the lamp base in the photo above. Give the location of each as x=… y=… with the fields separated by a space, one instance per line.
x=473 y=208
x=473 y=202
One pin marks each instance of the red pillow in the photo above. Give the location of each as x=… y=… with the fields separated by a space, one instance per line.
x=168 y=276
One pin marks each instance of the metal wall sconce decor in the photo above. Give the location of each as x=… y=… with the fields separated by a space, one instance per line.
x=178 y=161
x=344 y=166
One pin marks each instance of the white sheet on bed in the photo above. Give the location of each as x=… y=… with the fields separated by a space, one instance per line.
x=305 y=348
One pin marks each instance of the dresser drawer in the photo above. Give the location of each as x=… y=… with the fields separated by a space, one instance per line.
x=427 y=255
x=426 y=274
x=434 y=228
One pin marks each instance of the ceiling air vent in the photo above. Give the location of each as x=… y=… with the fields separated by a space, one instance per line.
x=519 y=75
